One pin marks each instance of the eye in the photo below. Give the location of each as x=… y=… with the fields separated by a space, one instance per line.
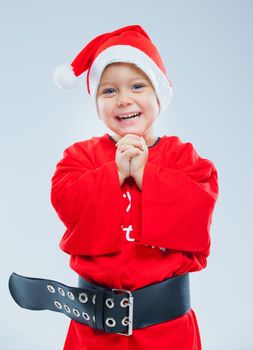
x=140 y=85
x=107 y=90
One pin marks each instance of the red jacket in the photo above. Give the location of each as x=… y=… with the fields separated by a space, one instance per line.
x=122 y=237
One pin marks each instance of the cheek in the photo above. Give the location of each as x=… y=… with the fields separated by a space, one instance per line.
x=99 y=104
x=104 y=106
x=152 y=101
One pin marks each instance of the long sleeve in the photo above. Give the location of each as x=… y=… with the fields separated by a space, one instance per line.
x=178 y=202
x=87 y=199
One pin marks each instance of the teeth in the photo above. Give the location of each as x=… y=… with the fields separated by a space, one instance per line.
x=130 y=116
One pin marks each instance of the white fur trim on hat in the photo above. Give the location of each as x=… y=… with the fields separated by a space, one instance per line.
x=64 y=77
x=130 y=54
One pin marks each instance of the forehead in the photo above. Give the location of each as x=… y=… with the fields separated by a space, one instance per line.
x=121 y=70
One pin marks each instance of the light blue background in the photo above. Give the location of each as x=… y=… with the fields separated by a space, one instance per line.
x=207 y=49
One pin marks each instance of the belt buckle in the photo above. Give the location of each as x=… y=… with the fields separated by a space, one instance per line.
x=130 y=311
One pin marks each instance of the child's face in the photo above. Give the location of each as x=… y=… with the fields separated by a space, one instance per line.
x=124 y=89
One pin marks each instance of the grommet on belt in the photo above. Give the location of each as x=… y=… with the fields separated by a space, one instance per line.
x=61 y=291
x=110 y=321
x=83 y=297
x=67 y=308
x=58 y=304
x=125 y=321
x=86 y=316
x=76 y=312
x=70 y=295
x=109 y=303
x=124 y=302
x=51 y=288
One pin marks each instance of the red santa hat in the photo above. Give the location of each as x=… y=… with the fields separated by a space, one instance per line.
x=129 y=44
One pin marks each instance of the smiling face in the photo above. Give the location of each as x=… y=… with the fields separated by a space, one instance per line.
x=124 y=90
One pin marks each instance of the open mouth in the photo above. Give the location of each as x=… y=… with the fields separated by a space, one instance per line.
x=130 y=116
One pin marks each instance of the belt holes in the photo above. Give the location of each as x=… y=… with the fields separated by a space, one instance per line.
x=109 y=303
x=86 y=316
x=70 y=295
x=76 y=312
x=125 y=321
x=124 y=302
x=51 y=288
x=67 y=308
x=110 y=321
x=83 y=297
x=58 y=304
x=61 y=291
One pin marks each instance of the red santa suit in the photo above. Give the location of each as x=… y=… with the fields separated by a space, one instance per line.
x=127 y=238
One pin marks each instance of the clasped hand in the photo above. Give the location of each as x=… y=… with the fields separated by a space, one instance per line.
x=131 y=155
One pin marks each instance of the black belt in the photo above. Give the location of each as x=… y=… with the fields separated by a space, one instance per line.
x=110 y=310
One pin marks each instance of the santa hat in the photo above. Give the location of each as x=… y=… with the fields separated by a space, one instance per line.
x=129 y=44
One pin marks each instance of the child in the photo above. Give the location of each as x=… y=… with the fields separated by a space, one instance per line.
x=140 y=212
x=137 y=207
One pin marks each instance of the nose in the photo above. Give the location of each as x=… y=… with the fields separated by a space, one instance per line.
x=124 y=100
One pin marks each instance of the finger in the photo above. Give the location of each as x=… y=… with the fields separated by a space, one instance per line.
x=129 y=139
x=129 y=150
x=143 y=142
x=133 y=149
x=123 y=148
x=136 y=143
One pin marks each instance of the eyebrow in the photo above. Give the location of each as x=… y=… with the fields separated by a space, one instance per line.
x=112 y=82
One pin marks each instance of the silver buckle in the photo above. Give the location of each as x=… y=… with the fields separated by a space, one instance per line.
x=130 y=310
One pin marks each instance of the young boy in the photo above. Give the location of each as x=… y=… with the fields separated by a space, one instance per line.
x=161 y=227
x=137 y=207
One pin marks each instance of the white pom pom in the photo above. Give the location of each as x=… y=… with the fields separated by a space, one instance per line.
x=64 y=77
